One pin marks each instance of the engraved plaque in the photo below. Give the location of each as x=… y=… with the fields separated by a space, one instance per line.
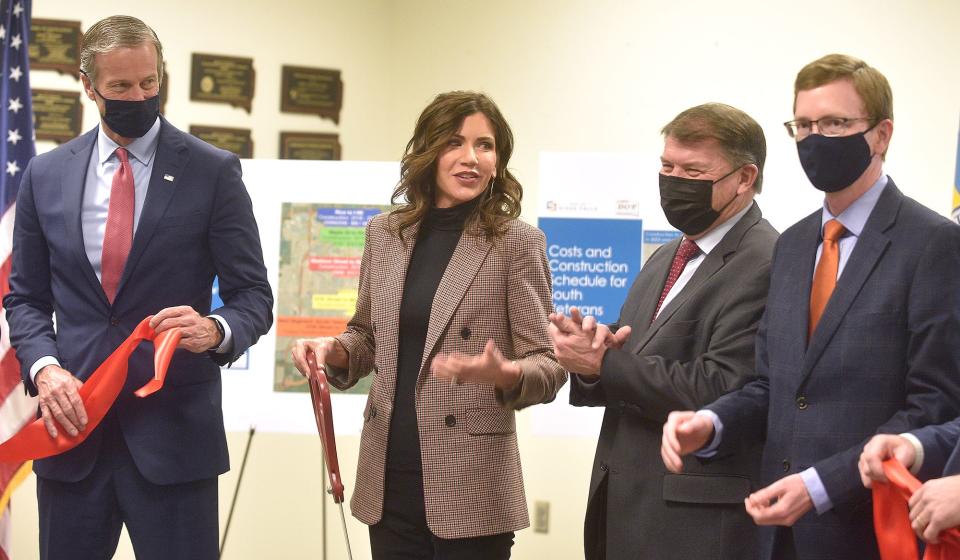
x=222 y=79
x=57 y=114
x=309 y=145
x=55 y=45
x=236 y=140
x=316 y=91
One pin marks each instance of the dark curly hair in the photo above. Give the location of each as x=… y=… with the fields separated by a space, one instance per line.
x=438 y=123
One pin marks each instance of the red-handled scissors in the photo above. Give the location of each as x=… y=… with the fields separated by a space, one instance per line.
x=320 y=395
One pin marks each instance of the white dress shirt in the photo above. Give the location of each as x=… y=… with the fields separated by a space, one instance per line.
x=707 y=243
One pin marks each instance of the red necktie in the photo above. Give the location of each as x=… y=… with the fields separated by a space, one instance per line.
x=118 y=237
x=825 y=277
x=687 y=250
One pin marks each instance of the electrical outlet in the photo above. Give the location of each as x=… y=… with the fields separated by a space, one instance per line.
x=541 y=516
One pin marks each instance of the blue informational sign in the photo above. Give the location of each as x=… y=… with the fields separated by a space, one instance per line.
x=346 y=217
x=659 y=237
x=243 y=362
x=593 y=263
x=216 y=302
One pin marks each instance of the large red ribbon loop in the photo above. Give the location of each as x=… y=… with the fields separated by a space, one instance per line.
x=98 y=393
x=891 y=519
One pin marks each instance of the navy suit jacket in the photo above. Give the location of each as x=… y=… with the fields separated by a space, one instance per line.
x=883 y=359
x=197 y=222
x=941 y=450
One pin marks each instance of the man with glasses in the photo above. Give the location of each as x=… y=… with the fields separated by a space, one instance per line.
x=861 y=332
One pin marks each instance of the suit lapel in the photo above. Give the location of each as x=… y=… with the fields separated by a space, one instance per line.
x=657 y=270
x=871 y=245
x=712 y=263
x=468 y=256
x=72 y=185
x=395 y=269
x=800 y=260
x=171 y=158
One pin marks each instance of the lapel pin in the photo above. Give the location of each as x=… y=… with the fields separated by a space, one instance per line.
x=168 y=178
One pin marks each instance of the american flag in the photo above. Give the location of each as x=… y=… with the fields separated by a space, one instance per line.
x=16 y=149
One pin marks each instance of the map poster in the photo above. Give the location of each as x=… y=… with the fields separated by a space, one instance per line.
x=321 y=246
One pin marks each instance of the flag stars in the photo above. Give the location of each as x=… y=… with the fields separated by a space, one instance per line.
x=17 y=9
x=13 y=136
x=16 y=41
x=16 y=73
x=15 y=105
x=3 y=32
x=12 y=168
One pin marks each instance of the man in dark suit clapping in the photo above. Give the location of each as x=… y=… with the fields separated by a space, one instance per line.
x=685 y=336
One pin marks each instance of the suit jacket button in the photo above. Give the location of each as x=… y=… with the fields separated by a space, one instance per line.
x=114 y=321
x=465 y=333
x=450 y=420
x=786 y=466
x=802 y=402
x=373 y=412
x=603 y=467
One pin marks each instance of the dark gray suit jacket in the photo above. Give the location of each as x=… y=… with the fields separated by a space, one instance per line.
x=884 y=358
x=700 y=347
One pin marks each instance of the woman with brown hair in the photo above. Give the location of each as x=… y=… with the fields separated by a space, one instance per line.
x=451 y=318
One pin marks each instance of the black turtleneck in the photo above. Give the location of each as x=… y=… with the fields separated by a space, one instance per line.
x=439 y=233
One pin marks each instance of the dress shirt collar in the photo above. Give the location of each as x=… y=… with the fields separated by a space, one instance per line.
x=142 y=149
x=712 y=238
x=856 y=215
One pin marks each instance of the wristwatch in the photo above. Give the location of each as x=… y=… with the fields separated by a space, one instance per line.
x=223 y=333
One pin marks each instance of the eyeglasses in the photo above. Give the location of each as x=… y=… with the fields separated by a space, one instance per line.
x=827 y=126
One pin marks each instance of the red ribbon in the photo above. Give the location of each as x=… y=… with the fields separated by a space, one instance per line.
x=98 y=393
x=891 y=519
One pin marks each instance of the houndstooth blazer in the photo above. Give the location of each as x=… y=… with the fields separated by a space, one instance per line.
x=491 y=289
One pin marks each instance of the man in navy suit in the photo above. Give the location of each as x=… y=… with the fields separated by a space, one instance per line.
x=930 y=452
x=860 y=333
x=134 y=218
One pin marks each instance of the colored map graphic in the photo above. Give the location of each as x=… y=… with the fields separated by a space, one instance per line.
x=956 y=185
x=320 y=250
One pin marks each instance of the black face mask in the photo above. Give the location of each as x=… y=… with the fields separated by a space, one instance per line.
x=688 y=203
x=130 y=119
x=833 y=163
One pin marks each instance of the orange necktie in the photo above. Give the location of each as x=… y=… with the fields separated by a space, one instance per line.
x=118 y=235
x=891 y=519
x=825 y=277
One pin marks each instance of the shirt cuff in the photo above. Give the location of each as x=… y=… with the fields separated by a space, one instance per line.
x=917 y=452
x=711 y=449
x=821 y=501
x=225 y=344
x=40 y=364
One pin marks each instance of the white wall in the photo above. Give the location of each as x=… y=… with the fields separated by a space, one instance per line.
x=602 y=75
